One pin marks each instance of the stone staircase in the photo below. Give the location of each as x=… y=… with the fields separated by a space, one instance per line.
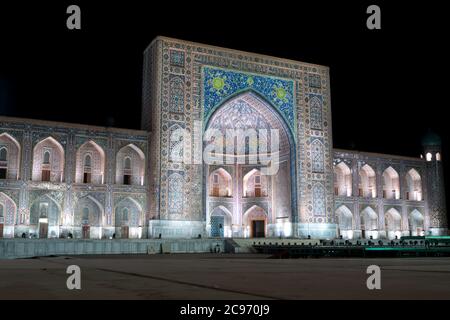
x=231 y=246
x=245 y=245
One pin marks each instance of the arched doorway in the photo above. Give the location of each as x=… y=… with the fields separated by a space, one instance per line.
x=369 y=223
x=220 y=183
x=255 y=220
x=255 y=184
x=48 y=161
x=128 y=217
x=130 y=166
x=220 y=222
x=343 y=180
x=345 y=220
x=9 y=157
x=367 y=182
x=45 y=215
x=88 y=218
x=393 y=221
x=416 y=223
x=413 y=185
x=8 y=211
x=250 y=138
x=391 y=184
x=90 y=163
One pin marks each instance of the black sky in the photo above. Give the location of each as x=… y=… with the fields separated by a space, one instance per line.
x=387 y=86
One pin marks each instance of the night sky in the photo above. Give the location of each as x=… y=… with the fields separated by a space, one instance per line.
x=386 y=85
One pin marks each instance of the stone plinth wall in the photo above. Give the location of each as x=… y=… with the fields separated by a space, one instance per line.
x=25 y=248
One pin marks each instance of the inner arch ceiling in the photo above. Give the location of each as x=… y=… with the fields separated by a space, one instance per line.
x=248 y=111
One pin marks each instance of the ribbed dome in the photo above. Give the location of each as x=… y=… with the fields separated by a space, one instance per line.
x=431 y=139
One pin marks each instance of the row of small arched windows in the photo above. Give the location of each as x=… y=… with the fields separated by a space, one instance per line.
x=367 y=184
x=253 y=184
x=48 y=162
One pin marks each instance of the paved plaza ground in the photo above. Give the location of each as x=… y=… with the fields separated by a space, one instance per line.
x=222 y=276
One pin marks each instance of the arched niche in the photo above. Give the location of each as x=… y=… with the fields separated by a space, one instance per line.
x=343 y=180
x=90 y=163
x=130 y=165
x=48 y=161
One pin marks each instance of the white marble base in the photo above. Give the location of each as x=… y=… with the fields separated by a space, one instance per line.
x=176 y=229
x=317 y=230
x=21 y=248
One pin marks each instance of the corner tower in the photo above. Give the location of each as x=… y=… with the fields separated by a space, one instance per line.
x=435 y=184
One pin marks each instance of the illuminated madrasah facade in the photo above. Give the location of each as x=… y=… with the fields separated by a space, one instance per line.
x=178 y=177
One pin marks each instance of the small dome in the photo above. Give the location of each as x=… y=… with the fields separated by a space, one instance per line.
x=431 y=139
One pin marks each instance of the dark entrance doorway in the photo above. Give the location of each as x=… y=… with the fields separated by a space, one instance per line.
x=86 y=232
x=1 y=230
x=258 y=229
x=43 y=229
x=217 y=223
x=125 y=232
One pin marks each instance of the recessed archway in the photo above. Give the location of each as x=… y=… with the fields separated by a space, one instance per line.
x=345 y=219
x=130 y=165
x=369 y=223
x=90 y=166
x=416 y=223
x=255 y=222
x=221 y=183
x=249 y=136
x=343 y=180
x=254 y=184
x=45 y=215
x=413 y=185
x=8 y=212
x=393 y=222
x=9 y=157
x=220 y=222
x=88 y=218
x=367 y=182
x=48 y=161
x=128 y=219
x=391 y=184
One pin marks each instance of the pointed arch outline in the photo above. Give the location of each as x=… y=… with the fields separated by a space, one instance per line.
x=135 y=148
x=290 y=133
x=319 y=202
x=96 y=146
x=55 y=142
x=176 y=140
x=247 y=176
x=19 y=151
x=82 y=158
x=224 y=209
x=344 y=210
x=119 y=166
x=396 y=215
x=369 y=212
x=413 y=181
x=347 y=178
x=135 y=203
x=98 y=204
x=58 y=205
x=15 y=214
x=253 y=207
x=317 y=156
x=263 y=100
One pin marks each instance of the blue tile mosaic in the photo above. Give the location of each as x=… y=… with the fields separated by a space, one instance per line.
x=221 y=84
